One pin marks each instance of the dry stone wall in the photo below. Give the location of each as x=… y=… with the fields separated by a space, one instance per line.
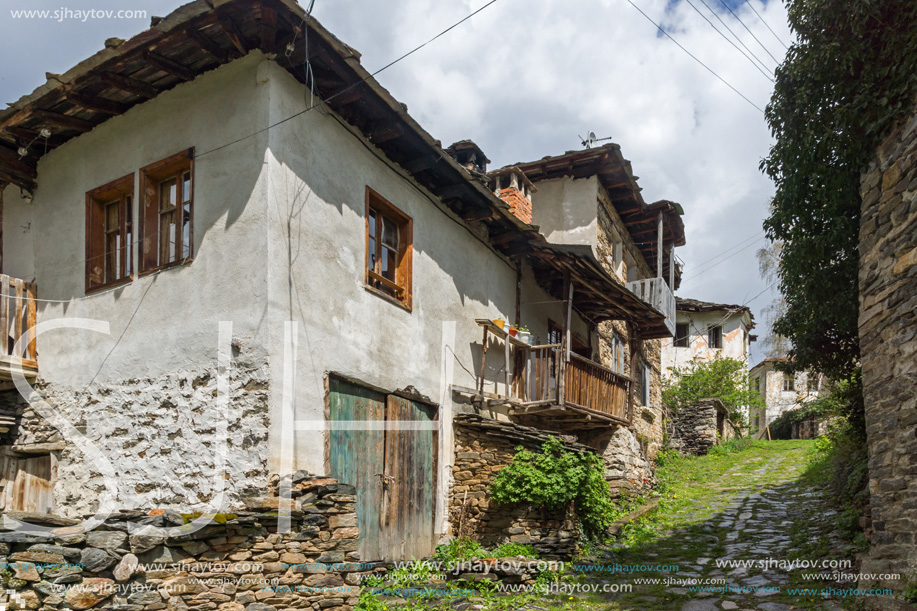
x=696 y=427
x=483 y=447
x=238 y=563
x=888 y=347
x=162 y=437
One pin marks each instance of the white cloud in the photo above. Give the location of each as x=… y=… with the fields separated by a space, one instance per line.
x=524 y=79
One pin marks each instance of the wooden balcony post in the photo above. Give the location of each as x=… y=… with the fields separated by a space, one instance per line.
x=672 y=267
x=659 y=249
x=565 y=349
x=633 y=373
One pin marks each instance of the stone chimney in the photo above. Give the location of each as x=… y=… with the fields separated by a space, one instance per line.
x=469 y=155
x=512 y=186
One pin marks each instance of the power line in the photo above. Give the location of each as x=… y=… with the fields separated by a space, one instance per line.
x=736 y=36
x=351 y=86
x=752 y=7
x=749 y=31
x=717 y=256
x=710 y=70
x=724 y=260
x=726 y=38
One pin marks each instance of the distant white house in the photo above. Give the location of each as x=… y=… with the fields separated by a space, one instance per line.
x=705 y=331
x=781 y=392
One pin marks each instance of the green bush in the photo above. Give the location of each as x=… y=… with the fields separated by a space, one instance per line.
x=515 y=549
x=459 y=549
x=555 y=480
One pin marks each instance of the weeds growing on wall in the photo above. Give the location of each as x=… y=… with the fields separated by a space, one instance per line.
x=556 y=479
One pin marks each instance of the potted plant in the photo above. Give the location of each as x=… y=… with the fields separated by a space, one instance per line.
x=523 y=333
x=513 y=331
x=499 y=322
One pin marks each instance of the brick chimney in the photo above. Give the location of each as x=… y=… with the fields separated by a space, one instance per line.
x=511 y=185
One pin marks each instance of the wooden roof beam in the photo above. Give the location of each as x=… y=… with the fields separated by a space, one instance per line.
x=56 y=118
x=129 y=85
x=386 y=132
x=208 y=45
x=169 y=66
x=268 y=28
x=97 y=104
x=234 y=35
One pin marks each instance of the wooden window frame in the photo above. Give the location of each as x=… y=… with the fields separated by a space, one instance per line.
x=718 y=330
x=118 y=192
x=789 y=383
x=402 y=286
x=151 y=178
x=682 y=341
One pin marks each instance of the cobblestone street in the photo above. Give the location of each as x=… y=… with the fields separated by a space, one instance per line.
x=730 y=540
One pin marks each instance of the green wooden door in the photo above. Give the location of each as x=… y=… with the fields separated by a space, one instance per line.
x=393 y=471
x=356 y=457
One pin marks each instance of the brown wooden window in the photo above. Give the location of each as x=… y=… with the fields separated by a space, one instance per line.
x=389 y=242
x=167 y=212
x=109 y=233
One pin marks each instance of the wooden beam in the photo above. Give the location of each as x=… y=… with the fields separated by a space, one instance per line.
x=419 y=164
x=97 y=104
x=384 y=133
x=234 y=36
x=209 y=46
x=348 y=95
x=454 y=191
x=129 y=84
x=55 y=118
x=169 y=66
x=13 y=165
x=268 y=28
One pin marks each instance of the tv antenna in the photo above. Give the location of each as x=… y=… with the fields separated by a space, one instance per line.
x=590 y=140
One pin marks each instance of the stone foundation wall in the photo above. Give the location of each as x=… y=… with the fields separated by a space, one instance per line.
x=161 y=436
x=482 y=448
x=888 y=347
x=696 y=427
x=627 y=471
x=241 y=564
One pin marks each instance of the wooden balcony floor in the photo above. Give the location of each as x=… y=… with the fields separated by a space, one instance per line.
x=567 y=417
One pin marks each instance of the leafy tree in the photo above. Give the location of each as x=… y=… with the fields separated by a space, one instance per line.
x=849 y=77
x=722 y=378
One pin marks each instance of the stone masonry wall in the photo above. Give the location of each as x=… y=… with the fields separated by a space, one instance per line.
x=696 y=427
x=482 y=448
x=888 y=347
x=238 y=563
x=161 y=436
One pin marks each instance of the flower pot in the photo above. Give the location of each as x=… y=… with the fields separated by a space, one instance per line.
x=523 y=335
x=513 y=331
x=499 y=322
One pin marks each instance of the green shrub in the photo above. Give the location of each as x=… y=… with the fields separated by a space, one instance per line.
x=555 y=480
x=459 y=549
x=515 y=549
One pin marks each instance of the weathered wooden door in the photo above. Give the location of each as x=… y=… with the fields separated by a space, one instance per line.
x=409 y=467
x=27 y=483
x=393 y=470
x=357 y=458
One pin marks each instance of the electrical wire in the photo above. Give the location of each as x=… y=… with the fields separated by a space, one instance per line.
x=730 y=248
x=726 y=38
x=692 y=56
x=736 y=36
x=752 y=7
x=749 y=31
x=707 y=269
x=349 y=87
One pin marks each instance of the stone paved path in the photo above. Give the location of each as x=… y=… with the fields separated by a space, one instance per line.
x=756 y=511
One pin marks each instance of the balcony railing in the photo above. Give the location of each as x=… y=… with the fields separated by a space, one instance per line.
x=17 y=327
x=591 y=395
x=656 y=293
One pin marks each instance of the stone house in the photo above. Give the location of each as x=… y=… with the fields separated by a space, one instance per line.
x=781 y=391
x=218 y=266
x=705 y=331
x=888 y=348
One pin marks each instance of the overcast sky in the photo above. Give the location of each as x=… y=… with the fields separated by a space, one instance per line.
x=525 y=78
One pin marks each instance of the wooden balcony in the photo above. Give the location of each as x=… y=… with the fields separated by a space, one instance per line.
x=655 y=292
x=18 y=310
x=552 y=388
